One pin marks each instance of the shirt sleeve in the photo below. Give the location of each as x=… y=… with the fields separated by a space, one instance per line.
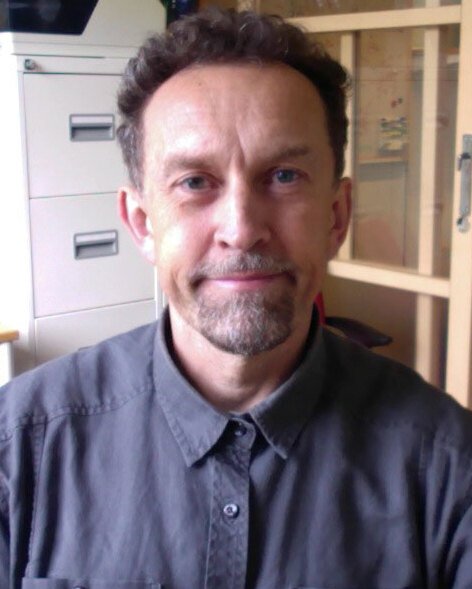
x=19 y=461
x=448 y=516
x=459 y=560
x=4 y=531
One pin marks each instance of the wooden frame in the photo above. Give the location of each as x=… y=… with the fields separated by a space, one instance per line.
x=458 y=288
x=389 y=19
x=459 y=353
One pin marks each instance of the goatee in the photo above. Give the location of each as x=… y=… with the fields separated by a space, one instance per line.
x=246 y=323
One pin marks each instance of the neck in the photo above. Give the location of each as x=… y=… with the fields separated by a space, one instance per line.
x=228 y=381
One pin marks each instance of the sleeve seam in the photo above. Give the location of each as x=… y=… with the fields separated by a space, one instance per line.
x=39 y=436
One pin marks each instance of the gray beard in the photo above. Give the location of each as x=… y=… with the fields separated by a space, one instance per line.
x=246 y=324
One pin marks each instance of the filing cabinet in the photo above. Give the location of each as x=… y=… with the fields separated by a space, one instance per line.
x=70 y=274
x=70 y=133
x=82 y=256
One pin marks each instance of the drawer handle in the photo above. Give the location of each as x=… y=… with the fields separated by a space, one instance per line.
x=95 y=245
x=465 y=168
x=92 y=127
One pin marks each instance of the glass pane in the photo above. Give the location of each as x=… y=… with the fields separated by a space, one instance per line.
x=367 y=303
x=398 y=219
x=289 y=8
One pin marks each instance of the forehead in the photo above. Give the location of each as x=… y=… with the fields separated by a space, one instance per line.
x=247 y=103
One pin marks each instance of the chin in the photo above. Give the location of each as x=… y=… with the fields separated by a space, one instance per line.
x=247 y=324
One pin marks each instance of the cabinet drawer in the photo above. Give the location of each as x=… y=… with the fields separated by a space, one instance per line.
x=70 y=129
x=82 y=256
x=64 y=334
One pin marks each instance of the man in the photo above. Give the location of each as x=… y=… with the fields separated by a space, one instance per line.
x=235 y=444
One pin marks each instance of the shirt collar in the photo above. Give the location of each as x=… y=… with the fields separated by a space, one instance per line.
x=283 y=414
x=197 y=426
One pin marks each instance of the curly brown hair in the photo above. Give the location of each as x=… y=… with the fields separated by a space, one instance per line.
x=224 y=36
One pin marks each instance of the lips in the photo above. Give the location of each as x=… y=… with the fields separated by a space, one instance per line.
x=244 y=270
x=246 y=277
x=245 y=282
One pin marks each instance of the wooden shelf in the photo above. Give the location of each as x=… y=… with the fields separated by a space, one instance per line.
x=7 y=335
x=382 y=160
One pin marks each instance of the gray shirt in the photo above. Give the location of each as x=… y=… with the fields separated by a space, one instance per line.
x=116 y=474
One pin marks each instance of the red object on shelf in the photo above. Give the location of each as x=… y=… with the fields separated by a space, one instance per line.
x=321 y=309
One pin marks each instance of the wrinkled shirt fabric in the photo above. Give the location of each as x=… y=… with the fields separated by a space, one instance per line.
x=116 y=474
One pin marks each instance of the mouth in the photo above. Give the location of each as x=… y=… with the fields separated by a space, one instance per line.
x=246 y=281
x=243 y=273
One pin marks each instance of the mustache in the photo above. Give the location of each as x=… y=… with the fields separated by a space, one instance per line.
x=245 y=262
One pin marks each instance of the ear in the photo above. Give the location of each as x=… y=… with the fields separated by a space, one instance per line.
x=341 y=207
x=135 y=218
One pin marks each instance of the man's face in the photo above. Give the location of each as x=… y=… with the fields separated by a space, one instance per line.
x=245 y=211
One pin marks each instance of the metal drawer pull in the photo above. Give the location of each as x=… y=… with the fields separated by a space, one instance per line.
x=95 y=245
x=92 y=127
x=464 y=164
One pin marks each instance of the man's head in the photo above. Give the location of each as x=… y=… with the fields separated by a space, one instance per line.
x=236 y=194
x=215 y=36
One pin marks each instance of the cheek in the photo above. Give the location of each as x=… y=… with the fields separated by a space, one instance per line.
x=178 y=246
x=307 y=233
x=170 y=249
x=308 y=246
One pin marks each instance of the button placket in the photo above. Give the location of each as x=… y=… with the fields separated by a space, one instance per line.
x=229 y=522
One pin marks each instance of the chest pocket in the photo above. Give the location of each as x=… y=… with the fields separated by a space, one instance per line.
x=87 y=584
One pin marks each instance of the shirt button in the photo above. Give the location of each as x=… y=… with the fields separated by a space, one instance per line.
x=240 y=430
x=231 y=510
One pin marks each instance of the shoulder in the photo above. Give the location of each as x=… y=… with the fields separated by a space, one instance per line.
x=385 y=394
x=92 y=380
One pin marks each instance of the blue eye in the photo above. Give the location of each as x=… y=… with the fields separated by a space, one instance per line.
x=196 y=183
x=285 y=176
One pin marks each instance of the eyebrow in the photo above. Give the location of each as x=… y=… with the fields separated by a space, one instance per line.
x=293 y=152
x=185 y=162
x=182 y=162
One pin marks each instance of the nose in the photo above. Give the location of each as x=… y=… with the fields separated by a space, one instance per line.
x=242 y=218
